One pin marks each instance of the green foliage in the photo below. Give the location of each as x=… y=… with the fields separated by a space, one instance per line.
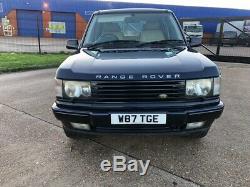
x=12 y=62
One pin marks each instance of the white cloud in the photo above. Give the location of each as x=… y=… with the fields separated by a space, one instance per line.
x=240 y=4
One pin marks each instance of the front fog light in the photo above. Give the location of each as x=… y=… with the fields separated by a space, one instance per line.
x=195 y=125
x=76 y=89
x=81 y=126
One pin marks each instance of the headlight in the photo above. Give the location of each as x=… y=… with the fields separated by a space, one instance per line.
x=76 y=89
x=199 y=87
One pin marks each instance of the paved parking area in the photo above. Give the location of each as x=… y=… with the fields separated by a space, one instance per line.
x=35 y=152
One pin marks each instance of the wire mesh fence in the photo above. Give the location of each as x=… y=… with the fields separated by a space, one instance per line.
x=30 y=44
x=36 y=35
x=227 y=37
x=221 y=37
x=33 y=44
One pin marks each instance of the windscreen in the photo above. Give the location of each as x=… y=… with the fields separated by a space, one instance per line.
x=141 y=27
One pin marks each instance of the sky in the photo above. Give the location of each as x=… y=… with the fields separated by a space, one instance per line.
x=237 y=4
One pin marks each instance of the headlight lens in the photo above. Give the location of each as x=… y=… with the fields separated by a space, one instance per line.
x=76 y=89
x=199 y=87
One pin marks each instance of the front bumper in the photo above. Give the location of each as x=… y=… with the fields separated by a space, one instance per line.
x=98 y=116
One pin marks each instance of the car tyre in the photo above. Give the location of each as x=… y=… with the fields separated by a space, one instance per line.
x=198 y=135
x=74 y=135
x=70 y=134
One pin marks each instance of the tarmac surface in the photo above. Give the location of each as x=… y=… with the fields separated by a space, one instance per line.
x=35 y=152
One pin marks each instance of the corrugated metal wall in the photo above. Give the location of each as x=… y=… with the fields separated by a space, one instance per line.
x=27 y=22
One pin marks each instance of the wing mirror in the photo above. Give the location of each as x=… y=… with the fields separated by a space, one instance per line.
x=72 y=44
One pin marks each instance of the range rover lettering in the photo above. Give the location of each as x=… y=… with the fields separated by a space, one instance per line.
x=136 y=73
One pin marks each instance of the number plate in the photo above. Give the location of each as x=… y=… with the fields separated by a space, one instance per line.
x=117 y=119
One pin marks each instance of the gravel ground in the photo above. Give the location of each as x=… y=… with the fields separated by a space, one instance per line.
x=35 y=152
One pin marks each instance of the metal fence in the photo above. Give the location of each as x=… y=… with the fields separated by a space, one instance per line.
x=31 y=44
x=229 y=40
x=225 y=39
x=33 y=35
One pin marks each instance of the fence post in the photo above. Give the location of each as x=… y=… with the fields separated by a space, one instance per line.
x=38 y=36
x=220 y=37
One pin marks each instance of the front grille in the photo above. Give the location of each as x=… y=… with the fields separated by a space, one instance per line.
x=125 y=91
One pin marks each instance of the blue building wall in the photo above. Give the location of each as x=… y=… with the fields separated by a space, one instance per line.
x=86 y=7
x=69 y=19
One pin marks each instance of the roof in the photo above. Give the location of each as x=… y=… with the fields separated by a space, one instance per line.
x=133 y=10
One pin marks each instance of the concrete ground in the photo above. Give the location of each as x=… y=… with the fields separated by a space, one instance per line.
x=35 y=152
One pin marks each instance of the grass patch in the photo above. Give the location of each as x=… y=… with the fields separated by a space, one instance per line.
x=12 y=62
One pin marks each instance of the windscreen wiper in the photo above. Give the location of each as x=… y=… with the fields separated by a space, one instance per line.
x=171 y=43
x=111 y=44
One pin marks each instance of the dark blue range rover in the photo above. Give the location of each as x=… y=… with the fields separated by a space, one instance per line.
x=136 y=73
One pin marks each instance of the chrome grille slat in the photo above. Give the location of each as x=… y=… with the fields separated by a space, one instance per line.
x=137 y=90
x=141 y=86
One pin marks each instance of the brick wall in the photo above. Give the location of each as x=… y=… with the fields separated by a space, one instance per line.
x=46 y=20
x=81 y=24
x=1 y=29
x=13 y=21
x=206 y=38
